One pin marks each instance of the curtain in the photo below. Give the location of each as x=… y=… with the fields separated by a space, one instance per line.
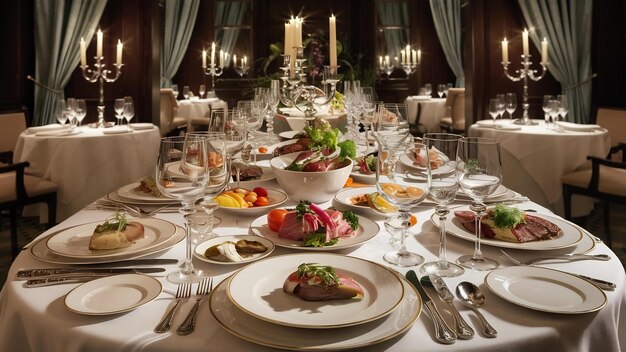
x=180 y=18
x=229 y=13
x=447 y=19
x=567 y=26
x=394 y=14
x=59 y=25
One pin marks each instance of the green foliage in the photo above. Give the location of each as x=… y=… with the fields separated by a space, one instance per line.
x=326 y=273
x=348 y=149
x=508 y=217
x=351 y=219
x=318 y=239
x=115 y=222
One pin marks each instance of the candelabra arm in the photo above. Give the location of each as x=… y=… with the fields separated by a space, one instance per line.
x=511 y=77
x=544 y=69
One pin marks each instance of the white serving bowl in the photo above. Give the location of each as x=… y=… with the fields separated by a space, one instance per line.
x=316 y=187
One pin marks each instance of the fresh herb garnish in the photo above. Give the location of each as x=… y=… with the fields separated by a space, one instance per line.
x=115 y=222
x=324 y=137
x=318 y=239
x=507 y=218
x=351 y=219
x=303 y=208
x=348 y=149
x=371 y=162
x=326 y=273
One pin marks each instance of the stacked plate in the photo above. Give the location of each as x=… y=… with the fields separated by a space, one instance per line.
x=130 y=194
x=251 y=305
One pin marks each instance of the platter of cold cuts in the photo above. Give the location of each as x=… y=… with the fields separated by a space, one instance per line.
x=512 y=228
x=316 y=290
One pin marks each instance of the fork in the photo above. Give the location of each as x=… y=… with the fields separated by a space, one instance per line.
x=183 y=292
x=204 y=288
x=568 y=257
x=135 y=209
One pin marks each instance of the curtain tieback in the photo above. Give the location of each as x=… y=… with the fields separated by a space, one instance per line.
x=581 y=82
x=43 y=85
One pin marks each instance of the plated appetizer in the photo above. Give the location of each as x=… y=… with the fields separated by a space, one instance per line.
x=324 y=138
x=116 y=232
x=366 y=164
x=315 y=282
x=230 y=251
x=243 y=198
x=246 y=172
x=148 y=186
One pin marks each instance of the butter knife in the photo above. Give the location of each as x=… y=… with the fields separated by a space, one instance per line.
x=443 y=333
x=58 y=280
x=463 y=330
x=49 y=272
x=605 y=285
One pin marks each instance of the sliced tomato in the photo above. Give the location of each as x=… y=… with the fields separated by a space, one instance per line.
x=275 y=218
x=260 y=191
x=261 y=202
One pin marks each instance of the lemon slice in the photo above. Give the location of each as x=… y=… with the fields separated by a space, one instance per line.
x=374 y=200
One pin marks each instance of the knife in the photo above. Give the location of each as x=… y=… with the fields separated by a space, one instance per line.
x=463 y=330
x=443 y=333
x=605 y=285
x=57 y=280
x=51 y=272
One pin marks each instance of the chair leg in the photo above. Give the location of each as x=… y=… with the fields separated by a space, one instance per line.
x=13 y=219
x=607 y=223
x=567 y=202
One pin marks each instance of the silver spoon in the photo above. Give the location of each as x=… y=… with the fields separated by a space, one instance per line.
x=472 y=297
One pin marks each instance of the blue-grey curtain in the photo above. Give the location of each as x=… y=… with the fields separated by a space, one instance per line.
x=59 y=25
x=180 y=18
x=567 y=26
x=229 y=13
x=447 y=19
x=394 y=14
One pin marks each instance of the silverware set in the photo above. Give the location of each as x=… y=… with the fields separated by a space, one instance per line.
x=183 y=293
x=134 y=209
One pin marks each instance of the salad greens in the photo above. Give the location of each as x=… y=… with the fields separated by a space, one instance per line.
x=328 y=137
x=351 y=219
x=116 y=222
x=318 y=239
x=507 y=217
x=326 y=273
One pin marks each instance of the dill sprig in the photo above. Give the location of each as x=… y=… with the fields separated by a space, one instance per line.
x=326 y=273
x=116 y=222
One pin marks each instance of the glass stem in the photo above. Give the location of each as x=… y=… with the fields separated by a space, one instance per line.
x=187 y=209
x=405 y=218
x=479 y=209
x=442 y=211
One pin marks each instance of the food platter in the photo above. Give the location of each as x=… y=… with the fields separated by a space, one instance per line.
x=408 y=161
x=343 y=199
x=262 y=296
x=366 y=231
x=129 y=193
x=276 y=199
x=267 y=175
x=202 y=247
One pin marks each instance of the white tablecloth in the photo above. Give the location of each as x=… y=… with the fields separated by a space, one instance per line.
x=198 y=108
x=90 y=164
x=427 y=112
x=36 y=319
x=534 y=159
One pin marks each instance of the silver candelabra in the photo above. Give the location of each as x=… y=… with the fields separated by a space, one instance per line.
x=213 y=71
x=524 y=74
x=409 y=68
x=101 y=75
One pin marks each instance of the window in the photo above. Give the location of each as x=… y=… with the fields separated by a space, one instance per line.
x=233 y=29
x=392 y=27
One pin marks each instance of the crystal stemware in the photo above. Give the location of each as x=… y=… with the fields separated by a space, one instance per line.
x=501 y=104
x=478 y=162
x=511 y=104
x=443 y=189
x=428 y=89
x=61 y=112
x=186 y=92
x=80 y=110
x=202 y=90
x=441 y=88
x=493 y=110
x=182 y=172
x=546 y=108
x=119 y=110
x=129 y=109
x=562 y=106
x=175 y=90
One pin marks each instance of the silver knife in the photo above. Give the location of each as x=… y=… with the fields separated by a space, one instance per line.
x=443 y=333
x=605 y=285
x=463 y=330
x=50 y=272
x=58 y=280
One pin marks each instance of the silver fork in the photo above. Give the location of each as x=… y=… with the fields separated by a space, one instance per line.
x=183 y=292
x=204 y=288
x=568 y=257
x=135 y=209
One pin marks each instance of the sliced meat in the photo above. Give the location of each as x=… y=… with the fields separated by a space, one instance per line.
x=485 y=230
x=523 y=233
x=315 y=290
x=552 y=228
x=291 y=228
x=465 y=215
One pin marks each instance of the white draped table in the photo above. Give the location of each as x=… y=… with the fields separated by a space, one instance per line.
x=88 y=165
x=425 y=111
x=198 y=109
x=36 y=318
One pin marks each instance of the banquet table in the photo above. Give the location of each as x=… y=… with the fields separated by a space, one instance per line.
x=36 y=319
x=425 y=111
x=88 y=164
x=198 y=108
x=534 y=158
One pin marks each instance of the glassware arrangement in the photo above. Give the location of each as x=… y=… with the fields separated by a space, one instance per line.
x=80 y=110
x=478 y=161
x=511 y=104
x=129 y=109
x=501 y=104
x=546 y=108
x=61 y=112
x=493 y=110
x=119 y=110
x=562 y=106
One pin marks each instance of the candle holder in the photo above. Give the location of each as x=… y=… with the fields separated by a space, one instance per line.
x=524 y=74
x=386 y=68
x=409 y=68
x=212 y=71
x=242 y=70
x=101 y=75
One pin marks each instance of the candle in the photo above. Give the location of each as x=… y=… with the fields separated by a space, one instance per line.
x=120 y=46
x=203 y=58
x=83 y=53
x=245 y=60
x=212 y=54
x=414 y=54
x=99 y=46
x=380 y=61
x=525 y=41
x=226 y=58
x=408 y=54
x=387 y=60
x=299 y=22
x=288 y=45
x=221 y=58
x=544 y=51
x=235 y=59
x=505 y=50
x=403 y=56
x=332 y=34
x=419 y=56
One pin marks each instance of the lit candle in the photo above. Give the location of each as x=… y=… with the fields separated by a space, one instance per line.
x=99 y=46
x=544 y=51
x=120 y=46
x=299 y=22
x=226 y=59
x=505 y=50
x=245 y=60
x=395 y=60
x=203 y=58
x=403 y=56
x=212 y=54
x=525 y=42
x=288 y=44
x=380 y=61
x=332 y=34
x=387 y=60
x=414 y=55
x=83 y=53
x=419 y=56
x=408 y=54
x=235 y=59
x=221 y=58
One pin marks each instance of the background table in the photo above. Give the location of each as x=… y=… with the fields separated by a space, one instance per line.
x=425 y=111
x=29 y=316
x=534 y=158
x=198 y=109
x=90 y=164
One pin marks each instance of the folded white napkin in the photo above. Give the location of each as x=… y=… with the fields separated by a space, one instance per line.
x=142 y=126
x=116 y=130
x=58 y=132
x=577 y=126
x=46 y=128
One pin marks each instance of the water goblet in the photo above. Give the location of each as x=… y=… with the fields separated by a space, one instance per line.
x=202 y=90
x=175 y=90
x=493 y=110
x=186 y=92
x=562 y=106
x=70 y=109
x=61 y=113
x=501 y=104
x=546 y=108
x=554 y=105
x=119 y=110
x=441 y=88
x=511 y=104
x=129 y=110
x=428 y=89
x=80 y=110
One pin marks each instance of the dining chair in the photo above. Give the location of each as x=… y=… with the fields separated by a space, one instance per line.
x=454 y=118
x=17 y=188
x=614 y=120
x=170 y=124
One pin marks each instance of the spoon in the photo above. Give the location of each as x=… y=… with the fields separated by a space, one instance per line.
x=472 y=297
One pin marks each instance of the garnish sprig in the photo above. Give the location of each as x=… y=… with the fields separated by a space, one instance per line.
x=508 y=217
x=116 y=222
x=326 y=273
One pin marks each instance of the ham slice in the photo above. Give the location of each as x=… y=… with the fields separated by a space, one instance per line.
x=296 y=229
x=535 y=228
x=313 y=289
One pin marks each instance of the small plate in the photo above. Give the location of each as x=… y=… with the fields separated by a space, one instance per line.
x=262 y=296
x=267 y=175
x=202 y=247
x=270 y=150
x=407 y=160
x=366 y=231
x=343 y=198
x=128 y=193
x=142 y=126
x=113 y=294
x=545 y=290
x=276 y=199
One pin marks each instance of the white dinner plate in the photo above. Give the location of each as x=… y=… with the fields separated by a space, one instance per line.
x=289 y=134
x=129 y=193
x=258 y=290
x=569 y=236
x=202 y=247
x=407 y=160
x=343 y=198
x=40 y=251
x=270 y=149
x=117 y=130
x=113 y=294
x=246 y=327
x=366 y=231
x=267 y=175
x=74 y=241
x=363 y=178
x=142 y=126
x=545 y=290
x=276 y=199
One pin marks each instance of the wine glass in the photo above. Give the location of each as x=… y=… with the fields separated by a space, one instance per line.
x=554 y=111
x=175 y=90
x=70 y=109
x=368 y=117
x=202 y=90
x=562 y=106
x=186 y=92
x=441 y=88
x=546 y=108
x=448 y=86
x=493 y=110
x=129 y=110
x=501 y=104
x=404 y=193
x=478 y=162
x=250 y=112
x=182 y=172
x=119 y=110
x=61 y=112
x=218 y=120
x=443 y=189
x=511 y=104
x=428 y=89
x=80 y=110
